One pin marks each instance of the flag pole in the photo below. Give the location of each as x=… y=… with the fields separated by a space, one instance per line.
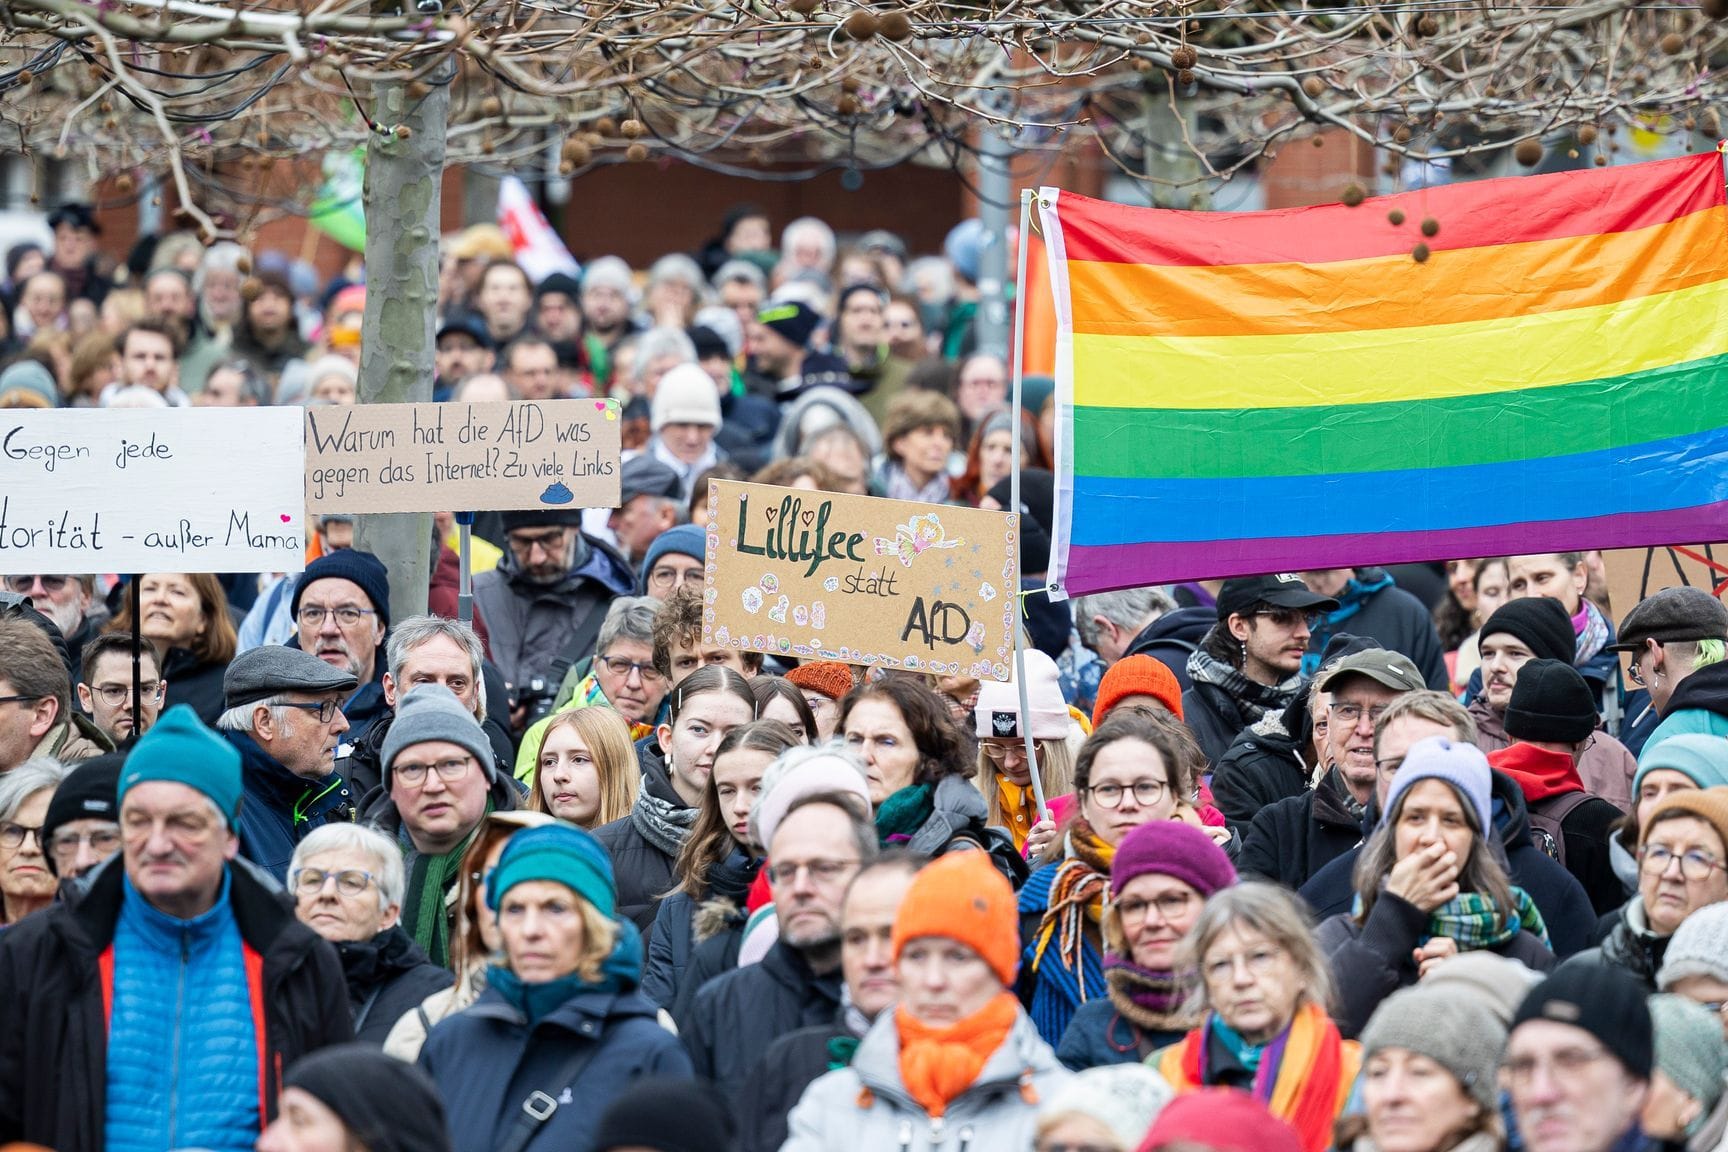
x=1015 y=423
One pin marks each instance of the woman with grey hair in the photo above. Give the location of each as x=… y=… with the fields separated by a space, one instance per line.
x=26 y=881
x=1263 y=987
x=347 y=884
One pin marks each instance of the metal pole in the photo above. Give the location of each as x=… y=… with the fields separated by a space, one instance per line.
x=464 y=580
x=137 y=594
x=1026 y=197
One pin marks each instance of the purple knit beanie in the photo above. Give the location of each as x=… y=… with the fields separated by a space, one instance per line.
x=1171 y=848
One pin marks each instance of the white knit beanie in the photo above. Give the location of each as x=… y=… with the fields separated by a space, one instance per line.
x=686 y=395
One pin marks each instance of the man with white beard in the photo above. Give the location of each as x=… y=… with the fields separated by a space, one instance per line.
x=70 y=602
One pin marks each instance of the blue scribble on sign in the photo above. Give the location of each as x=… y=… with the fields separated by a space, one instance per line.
x=557 y=493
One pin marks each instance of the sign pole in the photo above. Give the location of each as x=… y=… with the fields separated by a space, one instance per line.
x=1014 y=420
x=137 y=595
x=464 y=580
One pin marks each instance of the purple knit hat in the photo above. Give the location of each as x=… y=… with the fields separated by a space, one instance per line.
x=1171 y=848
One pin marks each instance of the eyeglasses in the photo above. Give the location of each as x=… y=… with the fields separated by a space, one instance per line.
x=17 y=699
x=1694 y=865
x=1633 y=672
x=622 y=668
x=23 y=585
x=821 y=871
x=1259 y=962
x=1352 y=713
x=1562 y=1064
x=311 y=881
x=548 y=542
x=671 y=577
x=311 y=615
x=1146 y=793
x=12 y=835
x=1000 y=752
x=118 y=695
x=1172 y=906
x=1390 y=765
x=325 y=709
x=1289 y=617
x=449 y=771
x=103 y=841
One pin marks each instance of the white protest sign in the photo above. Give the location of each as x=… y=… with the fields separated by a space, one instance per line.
x=454 y=456
x=152 y=490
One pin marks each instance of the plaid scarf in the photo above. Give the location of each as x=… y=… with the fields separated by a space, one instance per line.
x=1253 y=699
x=1476 y=922
x=1077 y=894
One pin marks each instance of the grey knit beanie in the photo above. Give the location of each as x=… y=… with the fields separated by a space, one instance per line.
x=1448 y=1026
x=1498 y=983
x=431 y=712
x=1699 y=947
x=1689 y=1047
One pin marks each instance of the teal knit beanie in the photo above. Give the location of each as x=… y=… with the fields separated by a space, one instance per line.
x=179 y=748
x=561 y=853
x=1700 y=758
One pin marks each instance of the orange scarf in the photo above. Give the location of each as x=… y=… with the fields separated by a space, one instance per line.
x=938 y=1064
x=1305 y=1081
x=1019 y=809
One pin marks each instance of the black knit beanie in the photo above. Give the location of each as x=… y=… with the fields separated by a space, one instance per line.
x=362 y=568
x=89 y=792
x=667 y=1116
x=1540 y=623
x=1602 y=1001
x=386 y=1104
x=1550 y=703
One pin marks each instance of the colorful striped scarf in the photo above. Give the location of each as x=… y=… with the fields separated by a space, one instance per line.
x=1076 y=896
x=1303 y=1078
x=1476 y=922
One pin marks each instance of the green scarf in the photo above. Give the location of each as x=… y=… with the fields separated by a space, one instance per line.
x=429 y=877
x=900 y=816
x=1475 y=922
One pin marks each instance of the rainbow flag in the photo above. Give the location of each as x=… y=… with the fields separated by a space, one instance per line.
x=1266 y=391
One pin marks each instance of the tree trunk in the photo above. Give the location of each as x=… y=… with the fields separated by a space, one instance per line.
x=404 y=176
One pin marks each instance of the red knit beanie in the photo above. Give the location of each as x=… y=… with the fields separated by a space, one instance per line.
x=1221 y=1119
x=829 y=677
x=1137 y=676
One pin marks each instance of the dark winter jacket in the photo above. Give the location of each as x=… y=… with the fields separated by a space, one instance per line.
x=532 y=625
x=709 y=960
x=388 y=976
x=748 y=425
x=1291 y=840
x=644 y=869
x=792 y=1064
x=1172 y=638
x=1262 y=766
x=1559 y=897
x=1372 y=960
x=193 y=682
x=363 y=764
x=1214 y=717
x=53 y=1049
x=281 y=809
x=683 y=922
x=737 y=1016
x=1630 y=947
x=1397 y=621
x=1100 y=1035
x=1586 y=829
x=487 y=1061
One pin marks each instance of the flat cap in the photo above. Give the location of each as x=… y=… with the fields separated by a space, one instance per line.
x=273 y=669
x=646 y=476
x=1673 y=614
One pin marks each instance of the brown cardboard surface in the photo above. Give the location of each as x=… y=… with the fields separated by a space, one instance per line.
x=883 y=583
x=1634 y=573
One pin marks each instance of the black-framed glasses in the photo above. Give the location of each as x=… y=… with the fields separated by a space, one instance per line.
x=104 y=841
x=119 y=695
x=325 y=709
x=449 y=771
x=312 y=615
x=12 y=835
x=311 y=881
x=1694 y=865
x=821 y=871
x=1171 y=906
x=547 y=542
x=24 y=585
x=1146 y=793
x=17 y=699
x=622 y=668
x=1633 y=671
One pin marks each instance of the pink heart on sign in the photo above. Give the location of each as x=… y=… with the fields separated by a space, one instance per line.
x=286 y=517
x=599 y=405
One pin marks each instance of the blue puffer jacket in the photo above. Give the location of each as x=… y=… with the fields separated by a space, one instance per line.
x=280 y=808
x=182 y=1042
x=1052 y=991
x=491 y=1060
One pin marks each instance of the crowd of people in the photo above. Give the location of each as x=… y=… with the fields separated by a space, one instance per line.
x=1412 y=859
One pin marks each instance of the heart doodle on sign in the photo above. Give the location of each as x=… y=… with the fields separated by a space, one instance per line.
x=771 y=512
x=599 y=405
x=807 y=517
x=286 y=519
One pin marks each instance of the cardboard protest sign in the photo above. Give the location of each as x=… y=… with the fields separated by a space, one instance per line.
x=152 y=490
x=455 y=457
x=890 y=583
x=1634 y=573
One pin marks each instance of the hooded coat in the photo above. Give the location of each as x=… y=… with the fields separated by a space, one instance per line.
x=281 y=809
x=1699 y=704
x=1630 y=946
x=866 y=1108
x=1172 y=638
x=54 y=1048
x=532 y=625
x=1564 y=904
x=1606 y=767
x=388 y=976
